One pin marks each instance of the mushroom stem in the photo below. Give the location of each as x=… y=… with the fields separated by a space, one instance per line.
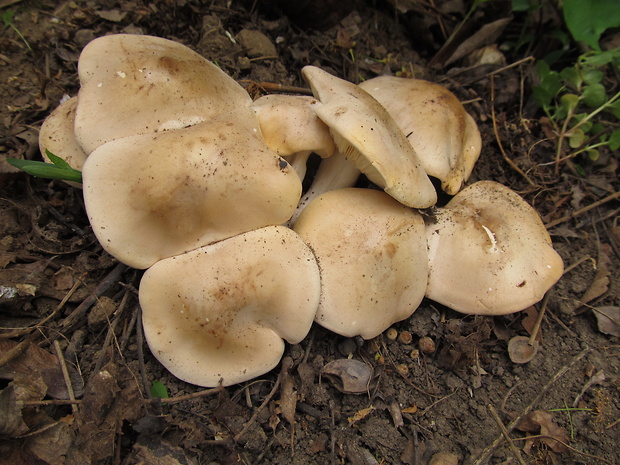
x=335 y=172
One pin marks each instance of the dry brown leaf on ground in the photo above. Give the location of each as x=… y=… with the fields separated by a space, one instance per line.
x=34 y=363
x=608 y=319
x=541 y=422
x=600 y=284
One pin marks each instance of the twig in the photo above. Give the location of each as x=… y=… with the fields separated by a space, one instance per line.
x=506 y=435
x=193 y=395
x=539 y=319
x=17 y=350
x=65 y=374
x=60 y=306
x=78 y=314
x=425 y=411
x=512 y=164
x=583 y=210
x=140 y=343
x=576 y=451
x=110 y=334
x=486 y=453
x=251 y=421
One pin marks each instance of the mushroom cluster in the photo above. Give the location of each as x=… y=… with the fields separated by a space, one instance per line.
x=187 y=177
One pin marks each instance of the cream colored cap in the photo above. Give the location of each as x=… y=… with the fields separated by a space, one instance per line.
x=57 y=136
x=444 y=136
x=153 y=196
x=372 y=255
x=489 y=252
x=134 y=84
x=220 y=312
x=369 y=137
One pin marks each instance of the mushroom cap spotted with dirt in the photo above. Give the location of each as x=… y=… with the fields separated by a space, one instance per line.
x=220 y=313
x=369 y=137
x=153 y=196
x=57 y=135
x=372 y=255
x=134 y=84
x=489 y=252
x=445 y=137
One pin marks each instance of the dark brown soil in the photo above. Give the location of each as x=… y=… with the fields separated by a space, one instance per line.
x=422 y=404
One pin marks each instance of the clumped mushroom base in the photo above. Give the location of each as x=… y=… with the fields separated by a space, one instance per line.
x=184 y=176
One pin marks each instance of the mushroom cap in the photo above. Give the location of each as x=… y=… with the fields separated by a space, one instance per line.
x=156 y=195
x=372 y=255
x=57 y=136
x=369 y=137
x=220 y=312
x=444 y=136
x=290 y=125
x=135 y=84
x=489 y=252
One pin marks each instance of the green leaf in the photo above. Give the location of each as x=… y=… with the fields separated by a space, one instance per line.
x=588 y=19
x=572 y=77
x=594 y=95
x=614 y=140
x=158 y=389
x=569 y=102
x=7 y=17
x=614 y=108
x=46 y=170
x=521 y=5
x=56 y=160
x=550 y=84
x=593 y=76
x=593 y=154
x=576 y=138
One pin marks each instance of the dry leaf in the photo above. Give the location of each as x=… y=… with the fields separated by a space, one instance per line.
x=541 y=422
x=39 y=361
x=360 y=415
x=608 y=319
x=11 y=422
x=349 y=376
x=600 y=284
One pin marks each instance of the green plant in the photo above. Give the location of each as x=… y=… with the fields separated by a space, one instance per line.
x=158 y=389
x=581 y=109
x=58 y=169
x=7 y=19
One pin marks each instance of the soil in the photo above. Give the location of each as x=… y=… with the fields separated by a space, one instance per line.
x=442 y=405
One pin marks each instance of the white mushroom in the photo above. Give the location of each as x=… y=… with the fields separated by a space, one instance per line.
x=154 y=196
x=372 y=255
x=292 y=129
x=489 y=252
x=57 y=136
x=219 y=313
x=370 y=138
x=444 y=136
x=134 y=84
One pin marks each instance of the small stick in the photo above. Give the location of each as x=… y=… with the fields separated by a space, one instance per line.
x=193 y=395
x=17 y=350
x=512 y=164
x=583 y=210
x=577 y=451
x=486 y=453
x=78 y=314
x=65 y=374
x=140 y=343
x=506 y=435
x=251 y=421
x=539 y=319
